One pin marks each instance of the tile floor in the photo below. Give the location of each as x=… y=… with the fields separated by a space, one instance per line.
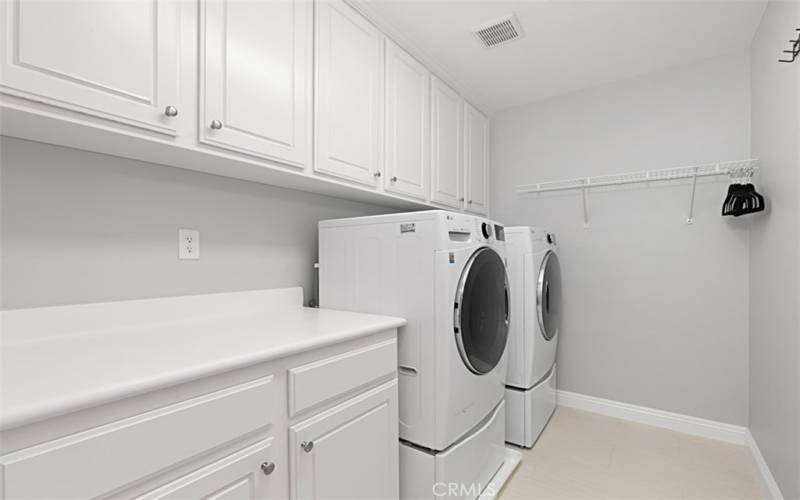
x=583 y=455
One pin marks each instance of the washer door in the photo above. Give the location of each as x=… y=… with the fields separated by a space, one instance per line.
x=481 y=311
x=548 y=296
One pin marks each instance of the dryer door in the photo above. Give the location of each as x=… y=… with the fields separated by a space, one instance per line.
x=548 y=295
x=481 y=311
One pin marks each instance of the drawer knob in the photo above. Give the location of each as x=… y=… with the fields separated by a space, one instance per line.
x=171 y=111
x=377 y=174
x=394 y=179
x=268 y=468
x=461 y=199
x=307 y=446
x=469 y=202
x=216 y=124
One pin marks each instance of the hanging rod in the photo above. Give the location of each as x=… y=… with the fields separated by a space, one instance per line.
x=667 y=174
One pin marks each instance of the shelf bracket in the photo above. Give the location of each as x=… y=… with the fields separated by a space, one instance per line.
x=585 y=208
x=690 y=218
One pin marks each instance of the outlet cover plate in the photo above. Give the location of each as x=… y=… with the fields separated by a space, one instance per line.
x=188 y=244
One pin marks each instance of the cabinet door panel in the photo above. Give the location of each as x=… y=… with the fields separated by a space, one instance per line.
x=407 y=124
x=236 y=477
x=255 y=77
x=476 y=159
x=354 y=452
x=349 y=93
x=115 y=60
x=446 y=145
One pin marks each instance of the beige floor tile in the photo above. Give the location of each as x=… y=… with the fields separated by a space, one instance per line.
x=582 y=455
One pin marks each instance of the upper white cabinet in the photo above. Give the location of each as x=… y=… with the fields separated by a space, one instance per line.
x=349 y=94
x=255 y=77
x=446 y=145
x=476 y=160
x=407 y=124
x=115 y=60
x=244 y=89
x=350 y=451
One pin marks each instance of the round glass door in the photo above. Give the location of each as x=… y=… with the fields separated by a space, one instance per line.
x=548 y=296
x=481 y=311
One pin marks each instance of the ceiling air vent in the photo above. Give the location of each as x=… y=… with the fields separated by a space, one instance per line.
x=499 y=31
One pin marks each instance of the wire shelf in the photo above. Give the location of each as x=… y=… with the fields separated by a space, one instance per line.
x=667 y=174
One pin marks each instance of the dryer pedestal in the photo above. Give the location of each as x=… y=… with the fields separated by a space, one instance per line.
x=477 y=466
x=529 y=411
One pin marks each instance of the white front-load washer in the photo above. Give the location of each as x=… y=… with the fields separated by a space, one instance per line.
x=535 y=284
x=445 y=273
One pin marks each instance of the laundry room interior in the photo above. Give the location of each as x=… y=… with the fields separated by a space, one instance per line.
x=400 y=249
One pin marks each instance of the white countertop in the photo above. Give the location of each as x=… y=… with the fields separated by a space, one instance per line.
x=97 y=353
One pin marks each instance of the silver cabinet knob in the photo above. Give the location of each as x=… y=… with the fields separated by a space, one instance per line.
x=377 y=174
x=469 y=202
x=393 y=179
x=171 y=111
x=268 y=468
x=461 y=199
x=216 y=124
x=307 y=446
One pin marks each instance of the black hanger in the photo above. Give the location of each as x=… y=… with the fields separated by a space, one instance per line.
x=742 y=198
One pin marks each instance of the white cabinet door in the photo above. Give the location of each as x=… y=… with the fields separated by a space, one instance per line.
x=446 y=145
x=349 y=451
x=255 y=87
x=407 y=124
x=114 y=60
x=349 y=97
x=476 y=160
x=256 y=472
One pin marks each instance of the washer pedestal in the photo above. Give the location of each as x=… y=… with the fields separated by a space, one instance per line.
x=471 y=468
x=529 y=411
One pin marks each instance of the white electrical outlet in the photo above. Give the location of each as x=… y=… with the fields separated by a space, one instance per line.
x=188 y=244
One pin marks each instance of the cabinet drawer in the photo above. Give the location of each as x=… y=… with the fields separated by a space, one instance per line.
x=237 y=476
x=315 y=383
x=105 y=458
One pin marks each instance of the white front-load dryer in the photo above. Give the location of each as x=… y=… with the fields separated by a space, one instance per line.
x=534 y=274
x=445 y=274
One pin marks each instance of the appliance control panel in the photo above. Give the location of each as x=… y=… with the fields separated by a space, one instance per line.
x=463 y=224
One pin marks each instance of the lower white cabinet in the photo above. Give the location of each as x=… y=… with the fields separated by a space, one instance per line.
x=332 y=457
x=227 y=436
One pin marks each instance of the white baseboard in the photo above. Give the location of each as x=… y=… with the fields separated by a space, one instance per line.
x=695 y=426
x=769 y=483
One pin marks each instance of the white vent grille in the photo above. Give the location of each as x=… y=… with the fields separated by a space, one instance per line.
x=499 y=31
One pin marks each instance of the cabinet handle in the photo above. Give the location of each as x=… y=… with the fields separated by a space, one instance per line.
x=307 y=446
x=469 y=202
x=377 y=174
x=171 y=111
x=268 y=468
x=393 y=179
x=216 y=124
x=461 y=199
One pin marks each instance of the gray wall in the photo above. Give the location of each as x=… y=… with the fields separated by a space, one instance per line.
x=83 y=227
x=775 y=250
x=656 y=310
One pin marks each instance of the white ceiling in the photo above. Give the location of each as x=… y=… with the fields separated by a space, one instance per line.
x=568 y=45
